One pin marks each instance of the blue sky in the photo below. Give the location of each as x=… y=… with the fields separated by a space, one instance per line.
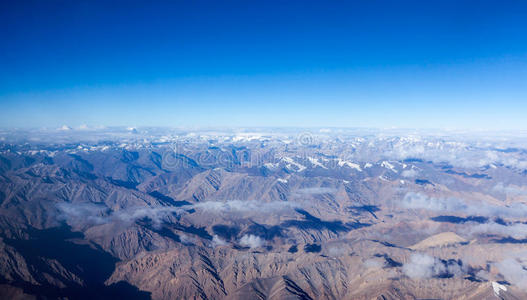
x=423 y=64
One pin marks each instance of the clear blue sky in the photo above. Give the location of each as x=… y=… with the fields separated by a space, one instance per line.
x=438 y=64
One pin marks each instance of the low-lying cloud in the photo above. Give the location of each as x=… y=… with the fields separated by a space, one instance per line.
x=252 y=241
x=97 y=214
x=510 y=190
x=243 y=206
x=456 y=153
x=217 y=241
x=410 y=173
x=83 y=212
x=422 y=266
x=419 y=201
x=316 y=191
x=187 y=240
x=336 y=251
x=516 y=231
x=514 y=271
x=454 y=205
x=374 y=263
x=414 y=200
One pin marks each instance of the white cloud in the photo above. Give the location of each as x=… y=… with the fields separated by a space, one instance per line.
x=453 y=205
x=513 y=271
x=457 y=153
x=510 y=190
x=243 y=206
x=187 y=240
x=217 y=241
x=374 y=263
x=485 y=275
x=414 y=200
x=422 y=266
x=96 y=214
x=65 y=128
x=420 y=201
x=335 y=251
x=83 y=213
x=251 y=241
x=410 y=173
x=156 y=214
x=316 y=190
x=517 y=231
